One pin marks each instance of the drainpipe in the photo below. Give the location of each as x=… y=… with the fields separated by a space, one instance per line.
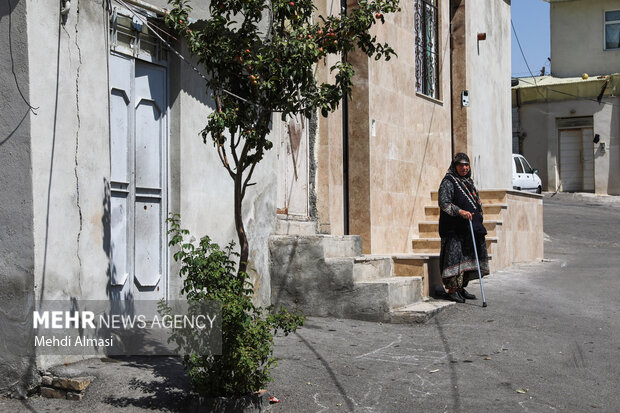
x=345 y=144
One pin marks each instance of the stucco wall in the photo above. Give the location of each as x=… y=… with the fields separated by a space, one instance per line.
x=577 y=38
x=70 y=139
x=206 y=189
x=71 y=159
x=17 y=362
x=488 y=78
x=540 y=146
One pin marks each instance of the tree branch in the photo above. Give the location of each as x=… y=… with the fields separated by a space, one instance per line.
x=221 y=151
x=249 y=176
x=233 y=151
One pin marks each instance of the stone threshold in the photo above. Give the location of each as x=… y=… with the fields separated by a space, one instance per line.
x=419 y=312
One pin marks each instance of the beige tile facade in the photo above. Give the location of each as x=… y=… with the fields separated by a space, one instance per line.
x=521 y=238
x=401 y=142
x=394 y=169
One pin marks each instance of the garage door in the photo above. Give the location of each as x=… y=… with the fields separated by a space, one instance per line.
x=577 y=160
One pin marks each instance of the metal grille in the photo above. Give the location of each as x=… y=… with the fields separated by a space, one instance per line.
x=129 y=35
x=426 y=48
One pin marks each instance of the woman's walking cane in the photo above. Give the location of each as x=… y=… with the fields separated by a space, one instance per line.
x=473 y=238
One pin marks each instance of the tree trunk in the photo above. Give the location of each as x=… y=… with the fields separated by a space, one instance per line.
x=243 y=239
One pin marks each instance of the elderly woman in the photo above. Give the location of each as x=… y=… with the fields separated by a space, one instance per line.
x=459 y=203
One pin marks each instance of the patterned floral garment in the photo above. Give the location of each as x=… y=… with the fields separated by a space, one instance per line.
x=457 y=259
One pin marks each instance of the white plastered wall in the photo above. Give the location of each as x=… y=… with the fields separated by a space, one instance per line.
x=540 y=146
x=488 y=77
x=577 y=38
x=71 y=166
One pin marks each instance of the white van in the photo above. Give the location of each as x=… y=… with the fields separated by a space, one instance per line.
x=524 y=178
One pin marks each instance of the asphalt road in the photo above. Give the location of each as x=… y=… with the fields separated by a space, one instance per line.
x=549 y=341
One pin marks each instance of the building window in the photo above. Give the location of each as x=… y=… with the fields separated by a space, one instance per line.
x=612 y=29
x=131 y=36
x=427 y=48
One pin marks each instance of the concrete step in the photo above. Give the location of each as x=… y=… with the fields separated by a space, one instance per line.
x=486 y=195
x=327 y=276
x=410 y=266
x=317 y=246
x=419 y=312
x=370 y=268
x=430 y=245
x=286 y=225
x=493 y=196
x=430 y=229
x=436 y=255
x=491 y=212
x=394 y=292
x=431 y=212
x=491 y=227
x=342 y=246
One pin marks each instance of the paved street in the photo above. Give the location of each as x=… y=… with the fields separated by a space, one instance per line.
x=549 y=341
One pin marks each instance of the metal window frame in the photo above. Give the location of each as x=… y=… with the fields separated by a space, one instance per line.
x=605 y=23
x=427 y=76
x=135 y=48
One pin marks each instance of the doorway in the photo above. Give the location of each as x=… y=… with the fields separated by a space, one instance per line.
x=576 y=160
x=138 y=178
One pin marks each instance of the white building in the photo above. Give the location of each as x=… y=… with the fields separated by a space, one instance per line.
x=569 y=123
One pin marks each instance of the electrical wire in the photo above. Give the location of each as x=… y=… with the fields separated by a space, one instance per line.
x=523 y=55
x=30 y=107
x=548 y=87
x=150 y=26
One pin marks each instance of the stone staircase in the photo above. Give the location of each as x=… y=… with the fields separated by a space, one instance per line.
x=328 y=276
x=493 y=205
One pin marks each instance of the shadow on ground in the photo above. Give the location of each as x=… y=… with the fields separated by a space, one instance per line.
x=164 y=384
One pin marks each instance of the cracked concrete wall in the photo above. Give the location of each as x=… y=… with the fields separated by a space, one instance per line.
x=17 y=362
x=206 y=190
x=70 y=139
x=71 y=159
x=56 y=171
x=70 y=151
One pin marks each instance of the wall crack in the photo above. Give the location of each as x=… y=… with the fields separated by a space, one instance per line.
x=77 y=143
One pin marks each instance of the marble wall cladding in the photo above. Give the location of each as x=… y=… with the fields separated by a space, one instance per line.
x=328 y=154
x=399 y=142
x=335 y=173
x=411 y=145
x=523 y=225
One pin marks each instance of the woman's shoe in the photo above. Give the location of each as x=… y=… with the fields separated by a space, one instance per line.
x=467 y=295
x=455 y=296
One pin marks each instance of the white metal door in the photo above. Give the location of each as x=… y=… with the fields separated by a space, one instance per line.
x=293 y=168
x=576 y=160
x=138 y=136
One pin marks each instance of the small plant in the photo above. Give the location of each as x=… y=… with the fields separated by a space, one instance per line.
x=210 y=274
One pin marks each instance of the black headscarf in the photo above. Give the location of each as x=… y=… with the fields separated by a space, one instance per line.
x=465 y=180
